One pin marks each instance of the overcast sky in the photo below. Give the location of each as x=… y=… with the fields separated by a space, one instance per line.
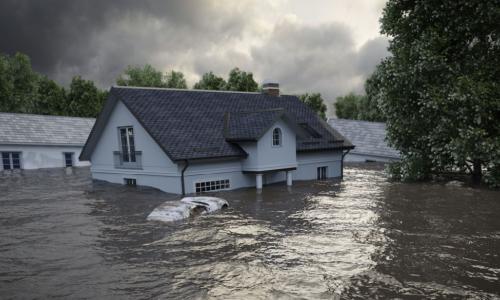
x=327 y=46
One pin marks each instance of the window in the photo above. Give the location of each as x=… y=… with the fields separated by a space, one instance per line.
x=68 y=159
x=127 y=143
x=276 y=137
x=11 y=160
x=322 y=173
x=212 y=185
x=130 y=181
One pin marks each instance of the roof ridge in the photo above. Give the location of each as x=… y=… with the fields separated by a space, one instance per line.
x=259 y=110
x=180 y=90
x=193 y=90
x=356 y=121
x=45 y=116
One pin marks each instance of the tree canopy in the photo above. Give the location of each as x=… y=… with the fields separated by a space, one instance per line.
x=241 y=81
x=210 y=81
x=148 y=76
x=314 y=101
x=23 y=90
x=440 y=90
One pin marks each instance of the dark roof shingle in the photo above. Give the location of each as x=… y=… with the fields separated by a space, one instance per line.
x=189 y=124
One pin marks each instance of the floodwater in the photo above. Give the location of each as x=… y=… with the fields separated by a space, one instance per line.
x=64 y=236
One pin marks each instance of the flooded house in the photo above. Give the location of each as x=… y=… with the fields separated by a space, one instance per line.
x=193 y=141
x=369 y=138
x=30 y=141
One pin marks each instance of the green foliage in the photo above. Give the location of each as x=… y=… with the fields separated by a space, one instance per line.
x=439 y=90
x=241 y=81
x=24 y=91
x=84 y=98
x=346 y=107
x=18 y=84
x=175 y=80
x=315 y=101
x=210 y=81
x=146 y=76
x=359 y=107
x=51 y=98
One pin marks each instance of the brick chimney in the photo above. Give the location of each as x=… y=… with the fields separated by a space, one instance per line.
x=271 y=88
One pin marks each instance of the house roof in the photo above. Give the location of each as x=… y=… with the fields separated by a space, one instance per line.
x=251 y=125
x=189 y=124
x=369 y=137
x=28 y=129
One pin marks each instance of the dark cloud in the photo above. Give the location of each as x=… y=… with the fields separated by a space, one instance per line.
x=98 y=39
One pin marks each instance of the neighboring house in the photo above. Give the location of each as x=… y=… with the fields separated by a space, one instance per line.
x=369 y=138
x=189 y=141
x=38 y=141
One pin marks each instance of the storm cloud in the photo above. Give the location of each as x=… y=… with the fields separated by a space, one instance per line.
x=98 y=39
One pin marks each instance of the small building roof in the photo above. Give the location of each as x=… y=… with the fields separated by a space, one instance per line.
x=368 y=137
x=28 y=129
x=190 y=124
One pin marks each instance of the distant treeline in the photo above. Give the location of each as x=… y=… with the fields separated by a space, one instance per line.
x=23 y=90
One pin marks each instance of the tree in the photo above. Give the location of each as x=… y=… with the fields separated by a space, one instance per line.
x=241 y=81
x=84 y=98
x=175 y=80
x=146 y=76
x=439 y=90
x=315 y=101
x=51 y=98
x=346 y=107
x=209 y=81
x=18 y=84
x=368 y=106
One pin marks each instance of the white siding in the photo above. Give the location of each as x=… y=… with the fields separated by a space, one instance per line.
x=309 y=162
x=262 y=155
x=157 y=169
x=39 y=157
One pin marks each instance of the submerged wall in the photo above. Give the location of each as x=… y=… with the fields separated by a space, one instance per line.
x=39 y=157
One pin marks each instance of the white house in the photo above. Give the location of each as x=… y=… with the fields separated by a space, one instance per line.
x=192 y=141
x=37 y=141
x=369 y=138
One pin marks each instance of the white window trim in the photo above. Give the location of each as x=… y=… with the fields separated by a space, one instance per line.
x=72 y=159
x=212 y=180
x=128 y=141
x=11 y=160
x=280 y=138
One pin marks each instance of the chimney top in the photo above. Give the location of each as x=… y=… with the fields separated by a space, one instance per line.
x=271 y=88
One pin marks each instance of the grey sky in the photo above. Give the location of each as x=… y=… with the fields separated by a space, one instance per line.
x=308 y=46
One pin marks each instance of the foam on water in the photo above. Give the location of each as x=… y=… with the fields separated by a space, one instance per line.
x=172 y=211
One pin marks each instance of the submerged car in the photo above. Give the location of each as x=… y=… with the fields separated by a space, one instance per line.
x=171 y=211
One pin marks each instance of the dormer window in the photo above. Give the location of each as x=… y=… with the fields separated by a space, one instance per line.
x=276 y=137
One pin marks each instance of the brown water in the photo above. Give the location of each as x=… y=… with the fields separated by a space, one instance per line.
x=63 y=236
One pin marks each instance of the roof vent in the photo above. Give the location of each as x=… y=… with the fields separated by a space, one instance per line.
x=271 y=88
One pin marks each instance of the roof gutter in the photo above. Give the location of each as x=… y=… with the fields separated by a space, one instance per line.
x=186 y=165
x=342 y=162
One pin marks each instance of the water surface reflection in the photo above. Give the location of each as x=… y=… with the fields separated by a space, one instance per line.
x=64 y=236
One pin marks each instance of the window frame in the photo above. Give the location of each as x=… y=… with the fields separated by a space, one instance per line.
x=322 y=173
x=11 y=160
x=278 y=137
x=72 y=157
x=212 y=185
x=128 y=153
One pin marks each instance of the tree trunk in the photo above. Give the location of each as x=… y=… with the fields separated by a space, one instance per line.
x=476 y=172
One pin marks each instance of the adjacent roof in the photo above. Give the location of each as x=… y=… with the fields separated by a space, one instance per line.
x=189 y=124
x=369 y=137
x=28 y=129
